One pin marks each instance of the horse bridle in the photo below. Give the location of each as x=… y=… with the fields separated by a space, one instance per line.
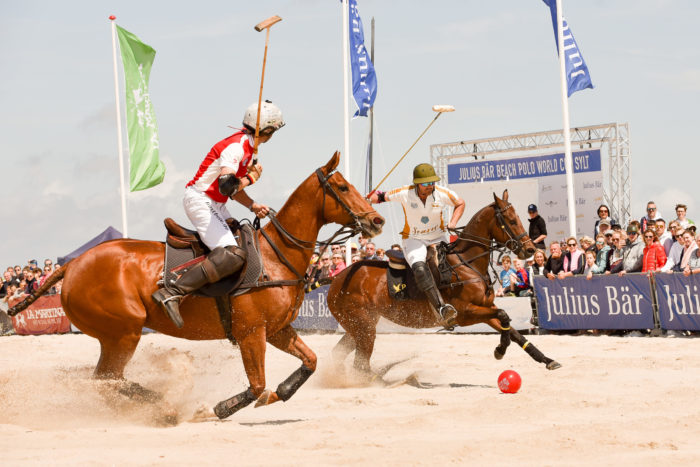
x=512 y=238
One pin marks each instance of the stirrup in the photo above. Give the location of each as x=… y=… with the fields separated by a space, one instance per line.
x=171 y=305
x=448 y=313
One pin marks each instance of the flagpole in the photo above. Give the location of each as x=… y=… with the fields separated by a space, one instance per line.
x=567 y=128
x=125 y=232
x=346 y=106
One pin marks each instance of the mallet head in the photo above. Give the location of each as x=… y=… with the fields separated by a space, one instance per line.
x=267 y=23
x=443 y=108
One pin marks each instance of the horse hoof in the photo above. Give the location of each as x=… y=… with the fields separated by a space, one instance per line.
x=498 y=355
x=266 y=398
x=553 y=365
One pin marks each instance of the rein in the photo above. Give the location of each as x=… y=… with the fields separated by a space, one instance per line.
x=345 y=232
x=490 y=245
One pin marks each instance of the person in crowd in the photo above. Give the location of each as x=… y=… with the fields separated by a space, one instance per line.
x=602 y=254
x=654 y=254
x=689 y=246
x=681 y=210
x=573 y=261
x=18 y=272
x=30 y=284
x=665 y=236
x=537 y=230
x=508 y=277
x=48 y=262
x=652 y=215
x=633 y=252
x=370 y=251
x=587 y=243
x=363 y=244
x=616 y=227
x=338 y=264
x=423 y=203
x=225 y=172
x=395 y=246
x=693 y=266
x=603 y=215
x=673 y=258
x=7 y=279
x=538 y=266
x=32 y=263
x=381 y=254
x=604 y=226
x=312 y=263
x=47 y=272
x=521 y=284
x=589 y=265
x=355 y=258
x=325 y=266
x=555 y=261
x=615 y=255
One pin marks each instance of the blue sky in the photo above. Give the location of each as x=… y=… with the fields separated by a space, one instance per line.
x=494 y=61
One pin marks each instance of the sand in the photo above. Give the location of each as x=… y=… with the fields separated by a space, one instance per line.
x=616 y=400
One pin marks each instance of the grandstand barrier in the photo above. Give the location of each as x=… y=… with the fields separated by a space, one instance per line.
x=629 y=302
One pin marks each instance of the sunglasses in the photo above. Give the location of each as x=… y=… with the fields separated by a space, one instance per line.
x=603 y=210
x=571 y=244
x=649 y=236
x=651 y=209
x=427 y=184
x=598 y=243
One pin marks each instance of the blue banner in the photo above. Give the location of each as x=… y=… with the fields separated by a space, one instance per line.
x=678 y=297
x=364 y=79
x=604 y=302
x=577 y=75
x=522 y=167
x=314 y=312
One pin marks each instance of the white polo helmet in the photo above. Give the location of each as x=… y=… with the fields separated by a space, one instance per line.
x=270 y=116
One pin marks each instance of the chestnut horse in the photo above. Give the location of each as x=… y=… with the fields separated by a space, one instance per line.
x=358 y=296
x=107 y=290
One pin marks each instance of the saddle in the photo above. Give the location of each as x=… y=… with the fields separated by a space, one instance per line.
x=184 y=249
x=399 y=276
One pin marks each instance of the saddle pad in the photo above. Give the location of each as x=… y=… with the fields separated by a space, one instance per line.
x=401 y=284
x=176 y=258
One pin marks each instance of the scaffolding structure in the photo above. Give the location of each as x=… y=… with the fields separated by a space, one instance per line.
x=613 y=136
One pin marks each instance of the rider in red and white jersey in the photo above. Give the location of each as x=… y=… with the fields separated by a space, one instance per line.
x=225 y=172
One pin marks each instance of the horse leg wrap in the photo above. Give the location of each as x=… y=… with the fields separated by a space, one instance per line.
x=535 y=353
x=505 y=330
x=230 y=406
x=289 y=386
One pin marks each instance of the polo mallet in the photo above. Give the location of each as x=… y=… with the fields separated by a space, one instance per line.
x=267 y=24
x=440 y=109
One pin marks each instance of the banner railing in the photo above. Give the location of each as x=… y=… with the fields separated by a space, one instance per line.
x=632 y=301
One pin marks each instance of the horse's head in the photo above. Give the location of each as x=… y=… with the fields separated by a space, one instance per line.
x=343 y=204
x=507 y=229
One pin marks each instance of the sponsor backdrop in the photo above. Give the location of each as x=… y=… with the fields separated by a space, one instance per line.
x=678 y=297
x=45 y=316
x=604 y=302
x=540 y=180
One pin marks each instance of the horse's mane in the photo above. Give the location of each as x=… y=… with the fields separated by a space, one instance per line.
x=469 y=227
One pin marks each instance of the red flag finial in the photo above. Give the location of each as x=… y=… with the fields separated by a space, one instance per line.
x=112 y=17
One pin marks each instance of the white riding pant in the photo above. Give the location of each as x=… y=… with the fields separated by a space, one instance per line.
x=417 y=250
x=209 y=219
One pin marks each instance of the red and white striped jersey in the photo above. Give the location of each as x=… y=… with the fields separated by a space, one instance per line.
x=233 y=152
x=423 y=221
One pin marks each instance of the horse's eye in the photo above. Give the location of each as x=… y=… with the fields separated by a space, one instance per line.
x=343 y=188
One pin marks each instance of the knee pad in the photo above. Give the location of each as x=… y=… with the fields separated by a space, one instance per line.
x=224 y=261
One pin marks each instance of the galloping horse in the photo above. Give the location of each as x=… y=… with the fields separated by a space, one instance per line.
x=358 y=296
x=107 y=290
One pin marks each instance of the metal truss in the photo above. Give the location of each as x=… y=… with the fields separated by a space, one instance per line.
x=613 y=136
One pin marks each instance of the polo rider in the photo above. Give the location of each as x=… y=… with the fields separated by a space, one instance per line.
x=225 y=172
x=423 y=204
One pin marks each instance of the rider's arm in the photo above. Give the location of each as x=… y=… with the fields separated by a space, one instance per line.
x=457 y=213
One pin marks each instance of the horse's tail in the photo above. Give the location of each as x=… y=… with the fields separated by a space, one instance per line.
x=53 y=278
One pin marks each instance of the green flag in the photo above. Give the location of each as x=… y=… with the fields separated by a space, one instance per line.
x=146 y=169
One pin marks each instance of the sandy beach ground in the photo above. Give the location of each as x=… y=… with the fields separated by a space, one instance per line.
x=616 y=400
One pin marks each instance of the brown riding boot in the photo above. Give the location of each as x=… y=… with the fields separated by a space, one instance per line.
x=221 y=262
x=446 y=313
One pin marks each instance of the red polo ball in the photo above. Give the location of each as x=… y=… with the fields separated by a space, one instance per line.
x=509 y=382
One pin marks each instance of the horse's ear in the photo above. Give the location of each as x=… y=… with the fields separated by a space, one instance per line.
x=505 y=194
x=332 y=164
x=495 y=198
